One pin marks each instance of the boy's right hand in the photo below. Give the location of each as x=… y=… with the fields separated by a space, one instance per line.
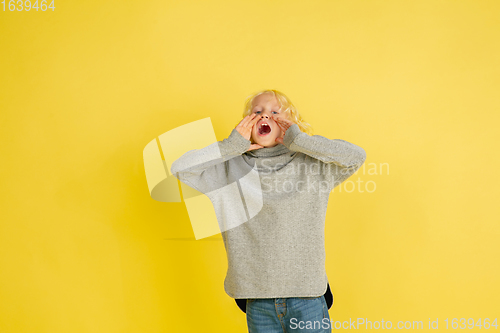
x=245 y=129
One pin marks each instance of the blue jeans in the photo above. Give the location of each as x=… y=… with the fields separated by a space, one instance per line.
x=288 y=315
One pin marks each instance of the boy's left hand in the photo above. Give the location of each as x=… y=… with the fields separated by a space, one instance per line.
x=284 y=124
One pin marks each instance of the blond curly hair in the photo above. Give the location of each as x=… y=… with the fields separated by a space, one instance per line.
x=286 y=106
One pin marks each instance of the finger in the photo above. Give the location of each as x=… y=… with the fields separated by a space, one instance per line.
x=252 y=123
x=284 y=121
x=281 y=128
x=281 y=118
x=284 y=125
x=254 y=120
x=242 y=121
x=278 y=120
x=281 y=125
x=249 y=119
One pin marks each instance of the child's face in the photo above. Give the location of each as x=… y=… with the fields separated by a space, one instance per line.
x=265 y=106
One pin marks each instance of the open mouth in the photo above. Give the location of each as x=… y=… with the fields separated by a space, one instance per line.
x=264 y=129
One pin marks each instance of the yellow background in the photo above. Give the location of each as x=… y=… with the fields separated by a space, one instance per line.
x=84 y=248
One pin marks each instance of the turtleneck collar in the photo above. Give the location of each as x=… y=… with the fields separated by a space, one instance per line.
x=279 y=149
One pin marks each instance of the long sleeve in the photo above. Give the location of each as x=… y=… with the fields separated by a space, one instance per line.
x=343 y=158
x=203 y=169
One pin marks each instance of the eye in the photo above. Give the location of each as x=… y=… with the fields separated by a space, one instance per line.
x=276 y=112
x=257 y=111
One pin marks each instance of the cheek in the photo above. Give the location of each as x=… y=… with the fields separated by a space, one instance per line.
x=253 y=136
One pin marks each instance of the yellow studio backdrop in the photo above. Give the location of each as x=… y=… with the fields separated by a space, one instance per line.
x=86 y=86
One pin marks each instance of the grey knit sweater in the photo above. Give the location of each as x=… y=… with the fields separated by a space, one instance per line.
x=273 y=218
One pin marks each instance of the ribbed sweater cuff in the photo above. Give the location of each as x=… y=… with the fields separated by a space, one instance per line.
x=290 y=135
x=238 y=142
